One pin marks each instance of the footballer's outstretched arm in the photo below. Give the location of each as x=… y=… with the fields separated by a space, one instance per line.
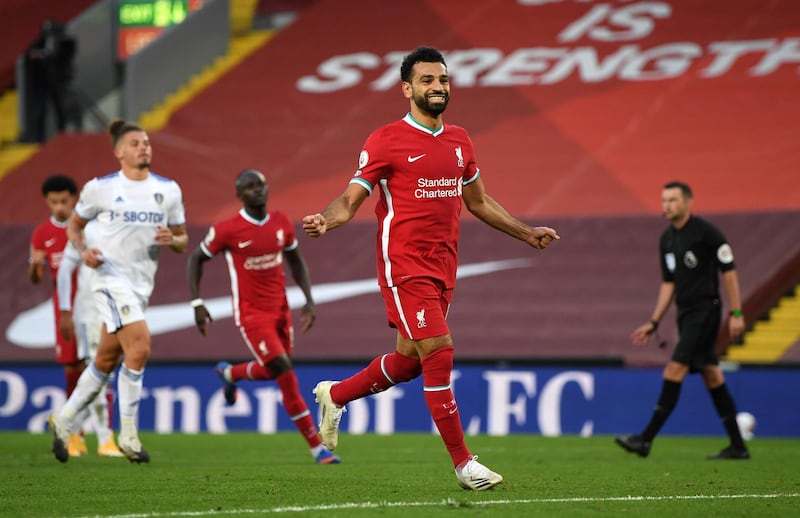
x=486 y=209
x=337 y=213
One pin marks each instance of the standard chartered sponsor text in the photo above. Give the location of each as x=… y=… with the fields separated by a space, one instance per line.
x=263 y=262
x=429 y=188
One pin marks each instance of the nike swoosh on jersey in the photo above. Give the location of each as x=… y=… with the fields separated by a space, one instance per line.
x=49 y=242
x=35 y=329
x=415 y=158
x=244 y=244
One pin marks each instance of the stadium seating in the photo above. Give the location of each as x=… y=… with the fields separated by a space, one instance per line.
x=20 y=24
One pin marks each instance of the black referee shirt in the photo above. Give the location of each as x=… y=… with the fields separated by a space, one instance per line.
x=691 y=257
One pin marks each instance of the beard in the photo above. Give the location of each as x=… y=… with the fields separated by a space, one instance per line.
x=430 y=108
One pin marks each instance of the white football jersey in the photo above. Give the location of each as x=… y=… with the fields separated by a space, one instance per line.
x=127 y=214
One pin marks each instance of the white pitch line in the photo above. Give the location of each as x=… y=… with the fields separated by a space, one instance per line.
x=445 y=503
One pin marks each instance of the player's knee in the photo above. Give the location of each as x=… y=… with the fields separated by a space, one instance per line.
x=137 y=353
x=437 y=366
x=400 y=369
x=675 y=371
x=713 y=377
x=279 y=365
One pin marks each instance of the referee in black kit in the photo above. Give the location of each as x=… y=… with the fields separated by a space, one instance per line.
x=692 y=252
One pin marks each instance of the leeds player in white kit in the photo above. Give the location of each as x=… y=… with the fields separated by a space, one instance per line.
x=79 y=318
x=136 y=213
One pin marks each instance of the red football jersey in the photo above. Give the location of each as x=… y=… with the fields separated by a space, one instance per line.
x=51 y=237
x=420 y=174
x=254 y=252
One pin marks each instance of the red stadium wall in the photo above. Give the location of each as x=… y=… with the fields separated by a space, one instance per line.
x=575 y=108
x=579 y=111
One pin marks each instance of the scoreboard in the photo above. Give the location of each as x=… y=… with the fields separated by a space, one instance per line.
x=141 y=21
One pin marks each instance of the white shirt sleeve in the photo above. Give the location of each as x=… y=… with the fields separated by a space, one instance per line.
x=176 y=214
x=87 y=207
x=69 y=261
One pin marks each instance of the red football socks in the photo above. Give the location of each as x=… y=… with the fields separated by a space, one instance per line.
x=296 y=407
x=251 y=370
x=436 y=369
x=382 y=373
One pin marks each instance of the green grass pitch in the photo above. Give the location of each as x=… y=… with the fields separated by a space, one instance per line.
x=247 y=474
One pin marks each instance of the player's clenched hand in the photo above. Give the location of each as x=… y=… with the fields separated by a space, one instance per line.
x=92 y=257
x=314 y=225
x=736 y=326
x=164 y=236
x=202 y=318
x=541 y=237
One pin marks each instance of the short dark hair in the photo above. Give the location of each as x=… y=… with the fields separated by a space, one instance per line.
x=684 y=187
x=248 y=172
x=419 y=55
x=120 y=127
x=59 y=183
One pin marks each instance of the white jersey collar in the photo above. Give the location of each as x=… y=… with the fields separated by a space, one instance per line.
x=59 y=224
x=125 y=178
x=253 y=220
x=408 y=119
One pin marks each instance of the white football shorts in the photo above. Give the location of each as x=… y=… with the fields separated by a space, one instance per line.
x=118 y=306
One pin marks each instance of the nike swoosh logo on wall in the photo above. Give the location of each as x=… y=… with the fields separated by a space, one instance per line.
x=35 y=328
x=415 y=158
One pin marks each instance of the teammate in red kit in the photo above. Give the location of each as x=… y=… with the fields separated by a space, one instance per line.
x=47 y=247
x=255 y=242
x=423 y=170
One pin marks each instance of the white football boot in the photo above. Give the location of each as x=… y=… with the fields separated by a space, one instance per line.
x=60 y=437
x=131 y=447
x=471 y=474
x=331 y=414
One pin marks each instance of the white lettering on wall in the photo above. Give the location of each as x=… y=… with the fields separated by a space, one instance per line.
x=662 y=62
x=358 y=416
x=166 y=398
x=549 y=412
x=385 y=410
x=502 y=409
x=270 y=402
x=47 y=398
x=626 y=23
x=727 y=52
x=602 y=23
x=217 y=411
x=464 y=66
x=589 y=67
x=338 y=72
x=16 y=393
x=787 y=51
x=552 y=65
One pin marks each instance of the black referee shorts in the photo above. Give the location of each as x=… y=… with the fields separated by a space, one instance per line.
x=698 y=328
